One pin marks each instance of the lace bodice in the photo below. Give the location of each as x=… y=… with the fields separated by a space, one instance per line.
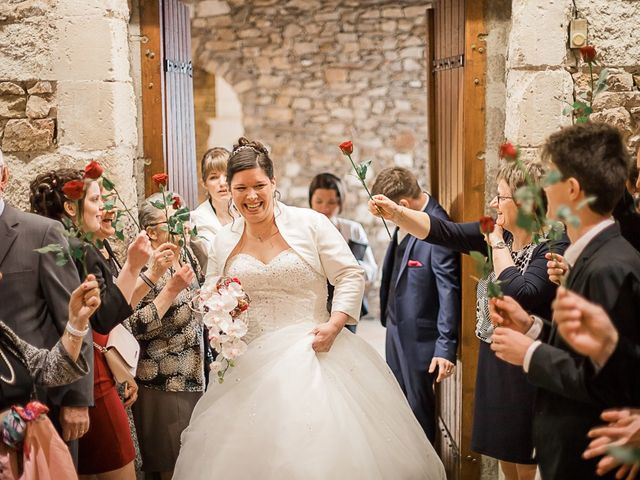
x=283 y=292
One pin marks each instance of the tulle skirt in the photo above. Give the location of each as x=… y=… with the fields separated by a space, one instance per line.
x=285 y=412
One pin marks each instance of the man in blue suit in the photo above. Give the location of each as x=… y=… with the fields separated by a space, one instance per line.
x=419 y=301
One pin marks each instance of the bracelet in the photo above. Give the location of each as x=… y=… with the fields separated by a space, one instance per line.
x=146 y=280
x=499 y=245
x=75 y=332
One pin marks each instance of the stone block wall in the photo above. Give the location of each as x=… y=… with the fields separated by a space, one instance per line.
x=543 y=75
x=311 y=73
x=66 y=92
x=27 y=116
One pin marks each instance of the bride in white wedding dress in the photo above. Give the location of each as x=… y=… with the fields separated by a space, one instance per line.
x=308 y=400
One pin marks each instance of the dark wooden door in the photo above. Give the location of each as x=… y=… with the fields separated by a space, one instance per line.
x=167 y=99
x=456 y=135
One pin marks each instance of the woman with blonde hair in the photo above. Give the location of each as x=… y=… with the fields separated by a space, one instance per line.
x=212 y=214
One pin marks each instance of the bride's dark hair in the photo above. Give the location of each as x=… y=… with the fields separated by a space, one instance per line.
x=45 y=192
x=247 y=154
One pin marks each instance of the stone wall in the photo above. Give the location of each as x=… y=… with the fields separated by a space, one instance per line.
x=311 y=73
x=543 y=75
x=27 y=116
x=66 y=92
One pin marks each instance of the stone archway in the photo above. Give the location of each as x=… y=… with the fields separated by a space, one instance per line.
x=311 y=74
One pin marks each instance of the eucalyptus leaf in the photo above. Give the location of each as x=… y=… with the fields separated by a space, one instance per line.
x=51 y=248
x=587 y=201
x=551 y=178
x=626 y=455
x=61 y=259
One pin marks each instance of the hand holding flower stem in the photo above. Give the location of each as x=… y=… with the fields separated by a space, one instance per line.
x=361 y=173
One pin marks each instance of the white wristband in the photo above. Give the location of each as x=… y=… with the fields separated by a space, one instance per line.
x=75 y=332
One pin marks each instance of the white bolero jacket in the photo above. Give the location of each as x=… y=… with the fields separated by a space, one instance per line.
x=312 y=236
x=207 y=222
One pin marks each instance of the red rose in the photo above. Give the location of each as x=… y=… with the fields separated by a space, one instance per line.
x=588 y=53
x=509 y=151
x=93 y=170
x=177 y=202
x=486 y=225
x=347 y=147
x=160 y=179
x=73 y=190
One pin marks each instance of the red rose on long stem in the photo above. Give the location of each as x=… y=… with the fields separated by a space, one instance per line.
x=73 y=189
x=347 y=147
x=588 y=53
x=93 y=170
x=160 y=179
x=509 y=151
x=487 y=225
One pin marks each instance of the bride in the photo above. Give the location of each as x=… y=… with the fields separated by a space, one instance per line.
x=309 y=399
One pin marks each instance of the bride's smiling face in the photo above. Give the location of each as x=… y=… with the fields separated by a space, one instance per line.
x=252 y=193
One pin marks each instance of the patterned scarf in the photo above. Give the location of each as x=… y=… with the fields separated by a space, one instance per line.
x=521 y=258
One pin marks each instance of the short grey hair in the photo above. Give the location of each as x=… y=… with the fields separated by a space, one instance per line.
x=516 y=176
x=147 y=213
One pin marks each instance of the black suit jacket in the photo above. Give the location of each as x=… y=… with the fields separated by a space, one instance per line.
x=608 y=273
x=34 y=293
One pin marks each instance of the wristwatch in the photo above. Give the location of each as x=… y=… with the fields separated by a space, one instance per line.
x=499 y=245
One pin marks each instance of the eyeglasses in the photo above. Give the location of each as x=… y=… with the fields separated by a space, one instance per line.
x=502 y=197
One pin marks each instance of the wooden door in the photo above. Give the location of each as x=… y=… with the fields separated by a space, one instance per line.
x=167 y=99
x=456 y=135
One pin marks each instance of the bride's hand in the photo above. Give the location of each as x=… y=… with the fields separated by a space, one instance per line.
x=325 y=335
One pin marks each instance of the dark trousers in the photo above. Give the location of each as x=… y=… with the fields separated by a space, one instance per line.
x=416 y=382
x=54 y=416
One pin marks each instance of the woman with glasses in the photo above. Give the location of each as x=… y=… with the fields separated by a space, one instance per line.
x=503 y=412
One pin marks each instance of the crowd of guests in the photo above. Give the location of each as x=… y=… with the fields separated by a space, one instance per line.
x=557 y=349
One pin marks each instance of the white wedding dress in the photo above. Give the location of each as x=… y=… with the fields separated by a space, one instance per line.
x=285 y=412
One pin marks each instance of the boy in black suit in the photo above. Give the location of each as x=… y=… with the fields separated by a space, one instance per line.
x=604 y=268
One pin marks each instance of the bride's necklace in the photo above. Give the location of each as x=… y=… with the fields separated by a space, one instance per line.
x=262 y=238
x=11 y=380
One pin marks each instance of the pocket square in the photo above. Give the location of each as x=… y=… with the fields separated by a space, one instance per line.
x=414 y=263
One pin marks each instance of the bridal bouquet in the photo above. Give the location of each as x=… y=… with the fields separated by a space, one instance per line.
x=223 y=304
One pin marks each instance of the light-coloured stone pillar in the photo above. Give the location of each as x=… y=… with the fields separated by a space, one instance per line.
x=538 y=85
x=78 y=50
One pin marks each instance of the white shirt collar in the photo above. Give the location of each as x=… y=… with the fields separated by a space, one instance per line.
x=576 y=248
x=1 y=206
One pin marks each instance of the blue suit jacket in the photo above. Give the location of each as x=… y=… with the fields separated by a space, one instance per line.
x=428 y=297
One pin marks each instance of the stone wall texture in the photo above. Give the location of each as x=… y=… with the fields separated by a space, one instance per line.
x=310 y=74
x=543 y=75
x=66 y=93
